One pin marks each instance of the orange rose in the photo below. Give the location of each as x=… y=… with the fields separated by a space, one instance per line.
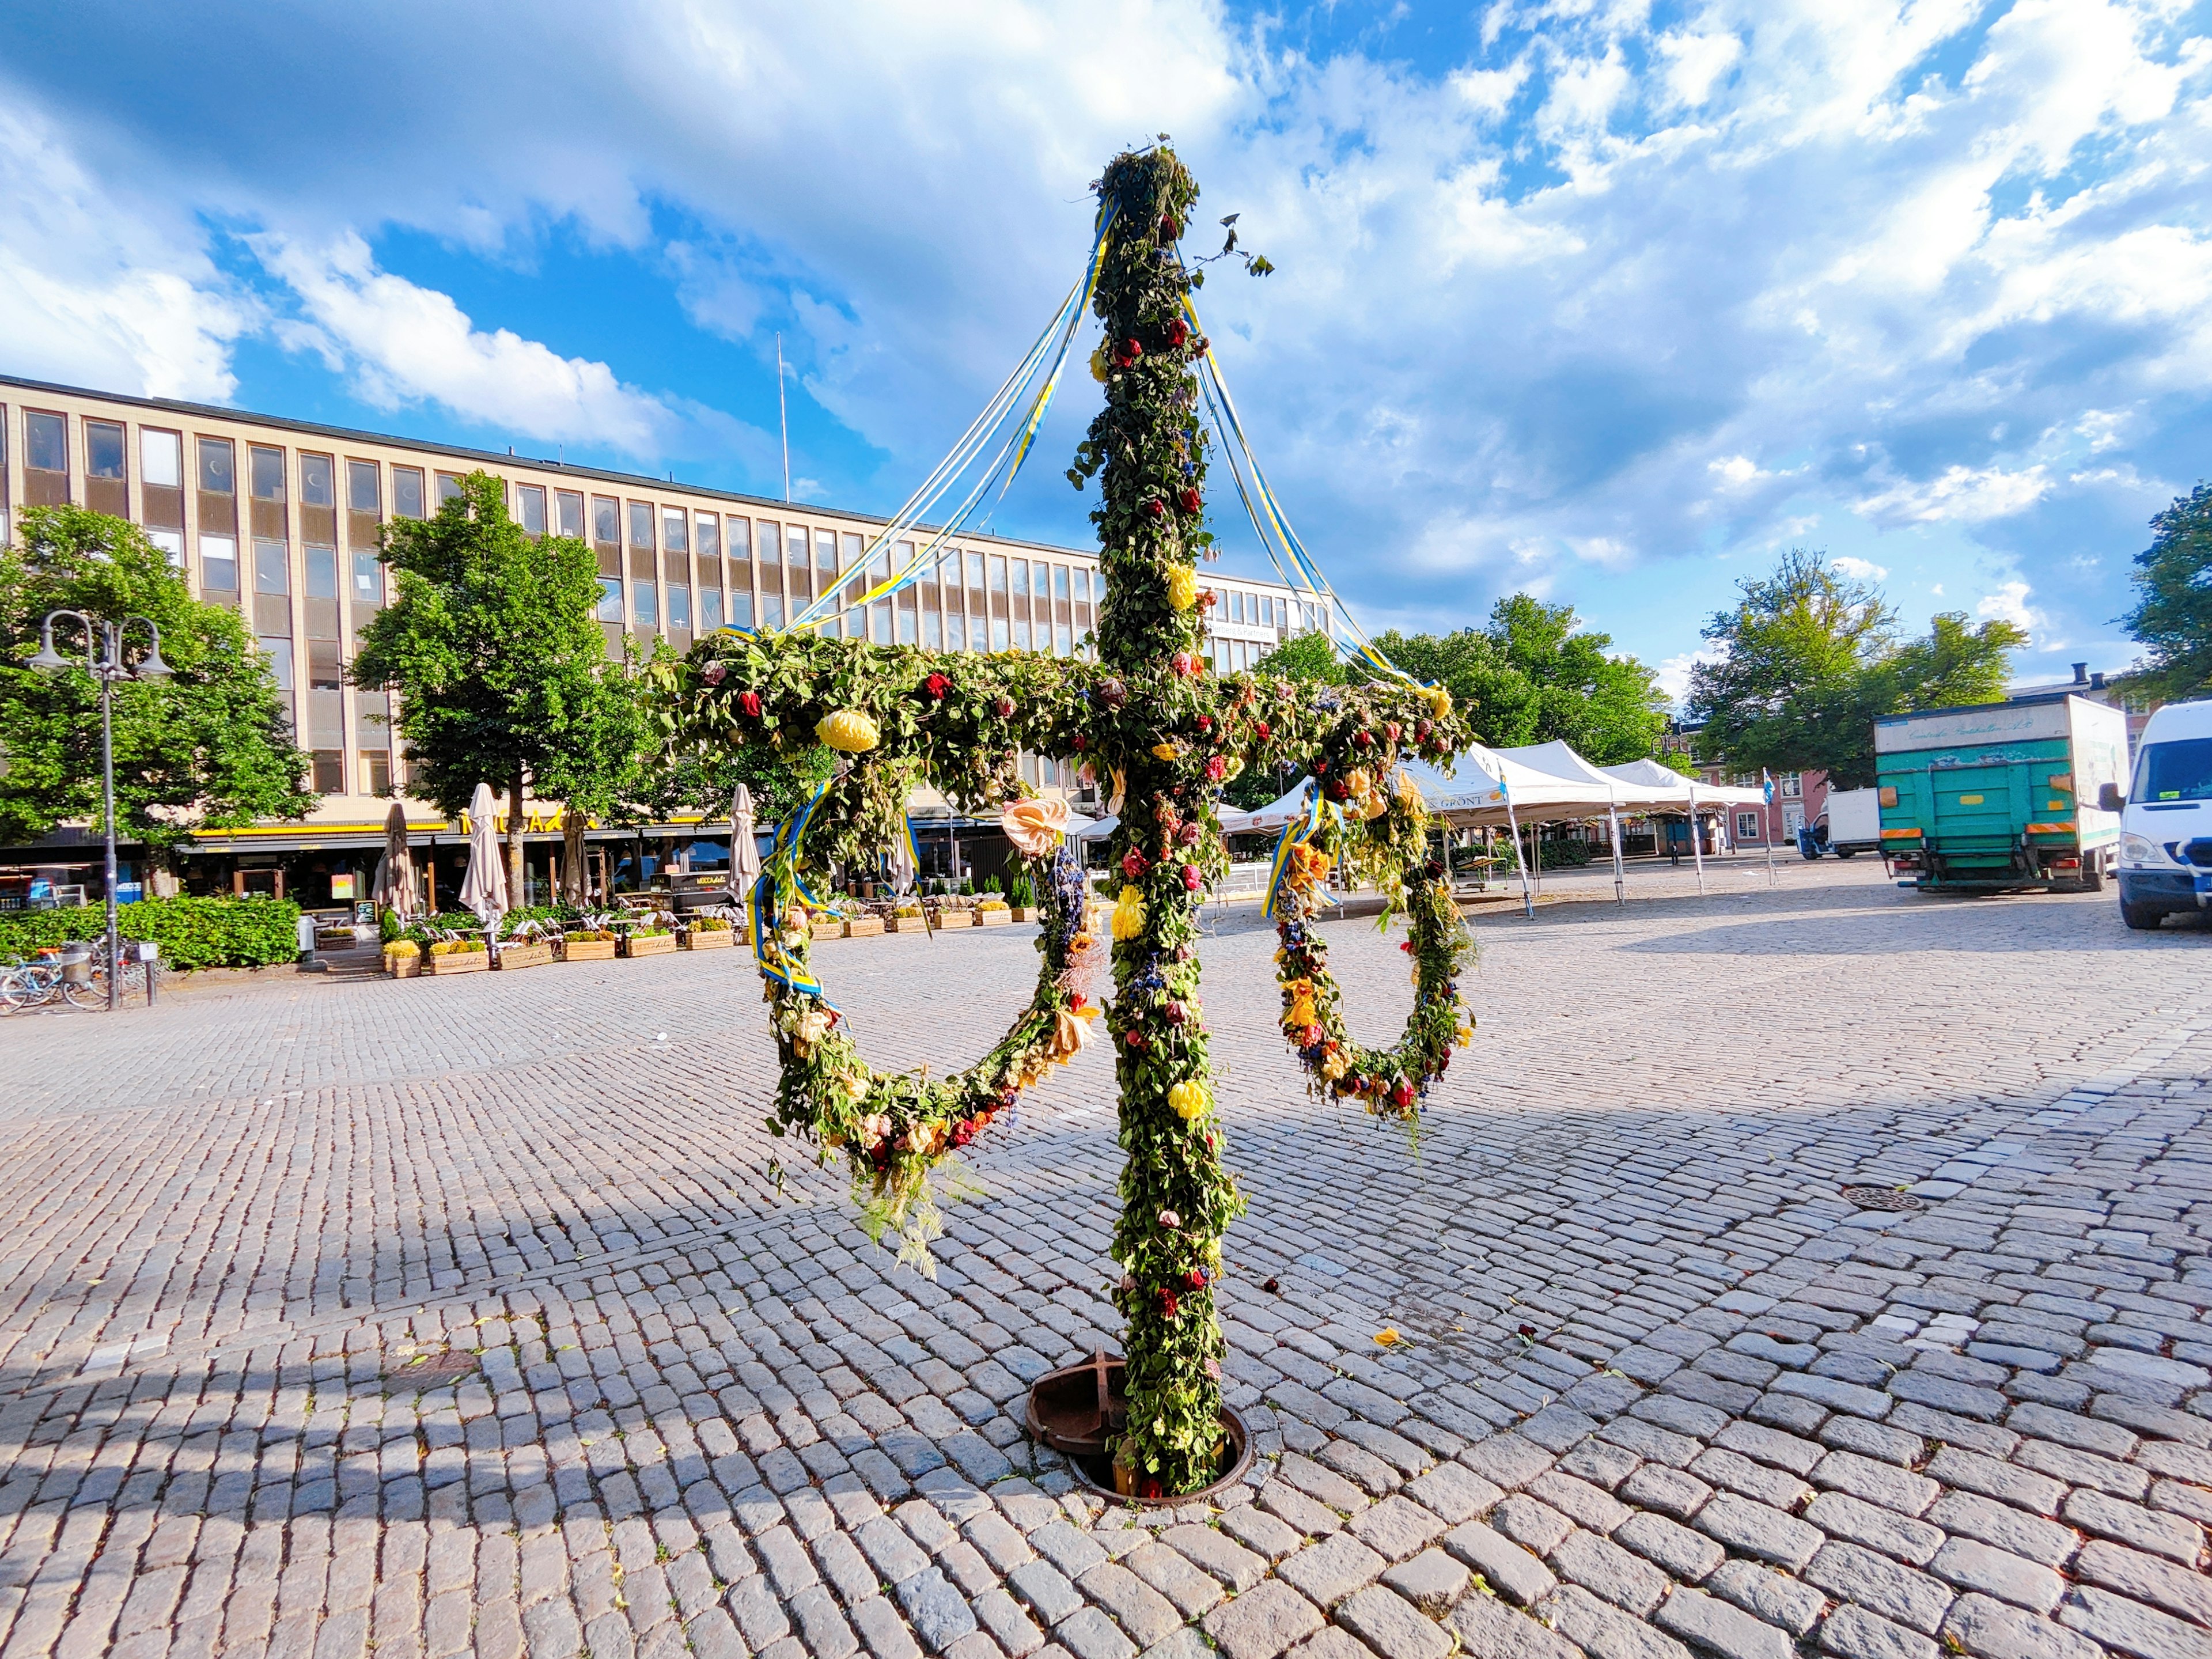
x=1034 y=827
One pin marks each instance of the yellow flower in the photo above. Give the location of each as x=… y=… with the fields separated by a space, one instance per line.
x=1102 y=360
x=856 y=1086
x=1129 y=914
x=1188 y=1099
x=1302 y=1013
x=1439 y=702
x=848 y=731
x=1167 y=751
x=1388 y=1337
x=1334 y=1065
x=1467 y=1037
x=1183 y=587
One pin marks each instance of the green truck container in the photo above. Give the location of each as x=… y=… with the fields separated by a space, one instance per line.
x=2003 y=795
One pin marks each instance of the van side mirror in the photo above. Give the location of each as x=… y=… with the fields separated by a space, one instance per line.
x=2109 y=798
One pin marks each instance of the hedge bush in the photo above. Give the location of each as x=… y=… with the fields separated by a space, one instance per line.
x=192 y=932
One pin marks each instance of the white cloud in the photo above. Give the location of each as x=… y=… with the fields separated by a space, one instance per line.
x=1673 y=673
x=96 y=286
x=2008 y=602
x=1695 y=63
x=1863 y=570
x=405 y=344
x=1961 y=495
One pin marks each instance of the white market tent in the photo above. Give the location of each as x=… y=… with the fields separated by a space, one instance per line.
x=1277 y=814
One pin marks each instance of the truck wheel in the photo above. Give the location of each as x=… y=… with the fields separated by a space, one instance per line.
x=2145 y=918
x=1847 y=852
x=2093 y=878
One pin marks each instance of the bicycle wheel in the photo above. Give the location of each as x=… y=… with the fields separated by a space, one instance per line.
x=15 y=992
x=91 y=993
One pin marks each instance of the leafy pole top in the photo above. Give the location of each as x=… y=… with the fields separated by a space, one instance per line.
x=1151 y=716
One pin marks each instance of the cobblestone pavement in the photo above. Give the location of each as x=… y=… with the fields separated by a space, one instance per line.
x=430 y=1317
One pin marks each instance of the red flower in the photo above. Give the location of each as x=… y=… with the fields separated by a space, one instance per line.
x=1191 y=879
x=1003 y=708
x=1205 y=722
x=1365 y=739
x=749 y=704
x=1157 y=508
x=1206 y=599
x=1075 y=1000
x=713 y=672
x=1262 y=731
x=1184 y=662
x=1171 y=229
x=1170 y=1305
x=1188 y=834
x=1402 y=1096
x=1195 y=1280
x=1081 y=742
x=1390 y=730
x=1135 y=1039
x=1190 y=499
x=1421 y=732
x=937 y=684
x=1176 y=332
x=1174 y=1013
x=964 y=1132
x=1216 y=768
x=1134 y=864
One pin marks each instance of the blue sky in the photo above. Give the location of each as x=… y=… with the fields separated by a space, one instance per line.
x=1606 y=300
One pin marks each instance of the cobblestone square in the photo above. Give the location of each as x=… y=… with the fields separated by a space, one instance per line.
x=482 y=1316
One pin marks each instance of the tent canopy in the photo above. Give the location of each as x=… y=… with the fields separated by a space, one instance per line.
x=1662 y=779
x=1278 y=814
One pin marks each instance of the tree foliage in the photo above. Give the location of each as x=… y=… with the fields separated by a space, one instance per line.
x=492 y=645
x=1812 y=659
x=210 y=747
x=2173 y=611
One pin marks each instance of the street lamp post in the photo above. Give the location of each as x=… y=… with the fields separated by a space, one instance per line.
x=103 y=661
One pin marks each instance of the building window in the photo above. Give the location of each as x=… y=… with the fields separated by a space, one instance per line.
x=407 y=492
x=710 y=609
x=46 y=459
x=330 y=771
x=361 y=493
x=368 y=579
x=322 y=564
x=376 y=771
x=162 y=480
x=219 y=562
x=641 y=524
x=271 y=567
x=644 y=609
x=106 y=487
x=610 y=599
x=449 y=487
x=1747 y=827
x=606 y=520
x=741 y=570
x=708 y=536
x=569 y=504
x=1793 y=786
x=530 y=508
x=680 y=605
x=316 y=486
x=268 y=466
x=278 y=650
x=674 y=523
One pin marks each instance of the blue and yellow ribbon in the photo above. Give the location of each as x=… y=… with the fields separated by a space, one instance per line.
x=1064 y=324
x=1294 y=834
x=780 y=881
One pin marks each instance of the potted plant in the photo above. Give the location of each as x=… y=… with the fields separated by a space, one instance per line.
x=906 y=919
x=708 y=931
x=458 y=956
x=1021 y=897
x=402 y=958
x=590 y=937
x=654 y=934
x=530 y=944
x=992 y=910
x=863 y=925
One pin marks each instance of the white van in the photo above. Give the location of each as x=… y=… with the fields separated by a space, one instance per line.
x=2166 y=819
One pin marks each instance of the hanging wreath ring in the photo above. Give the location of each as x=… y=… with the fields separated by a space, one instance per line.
x=1373 y=821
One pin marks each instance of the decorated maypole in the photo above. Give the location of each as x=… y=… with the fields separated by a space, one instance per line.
x=1155 y=732
x=1163 y=732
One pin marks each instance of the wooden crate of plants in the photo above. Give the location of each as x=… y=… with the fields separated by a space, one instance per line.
x=649 y=945
x=864 y=928
x=705 y=936
x=992 y=913
x=535 y=953
x=589 y=946
x=403 y=959
x=458 y=956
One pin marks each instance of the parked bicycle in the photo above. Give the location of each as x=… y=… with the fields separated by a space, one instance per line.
x=71 y=974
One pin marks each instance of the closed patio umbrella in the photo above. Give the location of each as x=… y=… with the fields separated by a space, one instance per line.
x=744 y=843
x=483 y=889
x=395 y=889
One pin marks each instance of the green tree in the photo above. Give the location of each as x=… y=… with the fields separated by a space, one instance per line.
x=1303 y=660
x=1534 y=674
x=2173 y=612
x=209 y=747
x=1812 y=659
x=502 y=675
